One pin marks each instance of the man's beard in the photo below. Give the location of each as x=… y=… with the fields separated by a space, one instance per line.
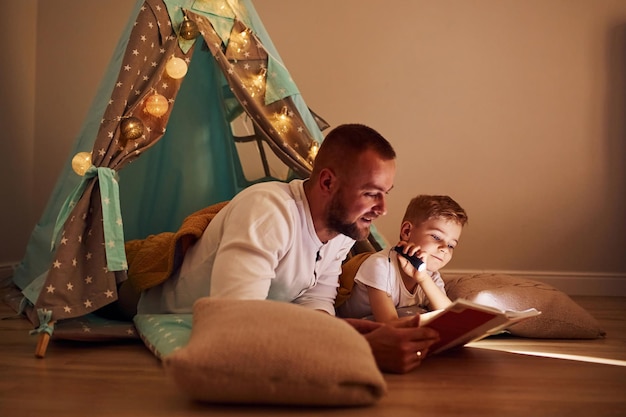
x=337 y=223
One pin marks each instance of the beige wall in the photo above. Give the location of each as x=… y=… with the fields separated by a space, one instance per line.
x=18 y=22
x=514 y=108
x=56 y=59
x=75 y=42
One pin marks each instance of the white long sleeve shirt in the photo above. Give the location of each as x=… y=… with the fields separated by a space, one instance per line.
x=261 y=245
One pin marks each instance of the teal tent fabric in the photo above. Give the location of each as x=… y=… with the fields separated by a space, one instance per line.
x=185 y=159
x=194 y=165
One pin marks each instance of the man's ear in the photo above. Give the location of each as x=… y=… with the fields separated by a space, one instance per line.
x=327 y=180
x=405 y=230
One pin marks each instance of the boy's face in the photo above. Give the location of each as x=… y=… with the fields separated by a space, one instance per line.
x=437 y=237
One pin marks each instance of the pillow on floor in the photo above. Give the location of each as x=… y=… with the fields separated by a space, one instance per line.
x=163 y=333
x=561 y=317
x=269 y=352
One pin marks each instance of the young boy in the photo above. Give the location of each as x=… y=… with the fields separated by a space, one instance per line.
x=386 y=281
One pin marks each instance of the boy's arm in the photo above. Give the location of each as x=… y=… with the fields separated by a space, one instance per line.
x=382 y=305
x=438 y=299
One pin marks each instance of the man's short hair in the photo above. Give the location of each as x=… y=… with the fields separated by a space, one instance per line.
x=347 y=142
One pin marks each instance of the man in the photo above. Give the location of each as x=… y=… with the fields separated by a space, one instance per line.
x=286 y=242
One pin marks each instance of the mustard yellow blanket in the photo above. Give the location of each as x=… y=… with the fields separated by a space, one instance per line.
x=153 y=259
x=346 y=279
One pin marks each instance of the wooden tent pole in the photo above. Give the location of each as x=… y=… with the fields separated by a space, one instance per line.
x=42 y=342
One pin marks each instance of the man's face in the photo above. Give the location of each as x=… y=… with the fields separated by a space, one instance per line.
x=360 y=199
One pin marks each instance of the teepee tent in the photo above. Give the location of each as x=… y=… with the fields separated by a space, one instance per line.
x=159 y=143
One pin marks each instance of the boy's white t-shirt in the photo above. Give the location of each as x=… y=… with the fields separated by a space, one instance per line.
x=381 y=271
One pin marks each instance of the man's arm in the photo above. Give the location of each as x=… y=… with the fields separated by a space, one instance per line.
x=250 y=245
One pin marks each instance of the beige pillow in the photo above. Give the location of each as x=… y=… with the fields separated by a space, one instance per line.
x=269 y=352
x=561 y=317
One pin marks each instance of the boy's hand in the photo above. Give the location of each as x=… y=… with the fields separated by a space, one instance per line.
x=413 y=250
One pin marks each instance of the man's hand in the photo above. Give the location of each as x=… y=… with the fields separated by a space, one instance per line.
x=398 y=347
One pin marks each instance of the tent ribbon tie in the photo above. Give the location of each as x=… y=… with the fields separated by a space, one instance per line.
x=111 y=215
x=45 y=316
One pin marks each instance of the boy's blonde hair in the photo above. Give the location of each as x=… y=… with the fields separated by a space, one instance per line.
x=425 y=207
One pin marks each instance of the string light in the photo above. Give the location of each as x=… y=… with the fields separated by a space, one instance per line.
x=240 y=41
x=176 y=68
x=258 y=83
x=156 y=105
x=313 y=149
x=282 y=120
x=188 y=29
x=131 y=128
x=81 y=162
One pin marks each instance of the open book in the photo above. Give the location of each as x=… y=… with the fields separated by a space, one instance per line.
x=464 y=321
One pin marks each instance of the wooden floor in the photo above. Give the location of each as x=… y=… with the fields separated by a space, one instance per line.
x=486 y=379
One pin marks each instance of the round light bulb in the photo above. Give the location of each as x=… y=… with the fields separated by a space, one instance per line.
x=131 y=128
x=156 y=105
x=81 y=162
x=176 y=68
x=189 y=29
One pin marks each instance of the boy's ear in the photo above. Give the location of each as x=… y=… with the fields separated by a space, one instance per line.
x=405 y=230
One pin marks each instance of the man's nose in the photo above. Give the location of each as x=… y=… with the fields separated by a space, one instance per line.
x=381 y=207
